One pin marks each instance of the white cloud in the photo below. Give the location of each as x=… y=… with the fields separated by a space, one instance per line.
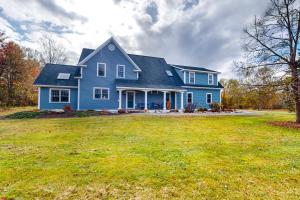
x=201 y=33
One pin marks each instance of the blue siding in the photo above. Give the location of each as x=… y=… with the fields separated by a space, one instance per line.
x=202 y=78
x=199 y=96
x=90 y=79
x=46 y=105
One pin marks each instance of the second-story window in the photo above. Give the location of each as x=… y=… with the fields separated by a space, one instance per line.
x=120 y=71
x=101 y=69
x=192 y=77
x=210 y=79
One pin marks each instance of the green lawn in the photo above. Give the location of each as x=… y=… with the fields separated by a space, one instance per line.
x=150 y=157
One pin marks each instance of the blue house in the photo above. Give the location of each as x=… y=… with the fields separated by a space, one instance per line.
x=107 y=78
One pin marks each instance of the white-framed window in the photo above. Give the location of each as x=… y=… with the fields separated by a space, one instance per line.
x=101 y=69
x=208 y=98
x=120 y=71
x=59 y=95
x=192 y=77
x=189 y=97
x=101 y=93
x=210 y=79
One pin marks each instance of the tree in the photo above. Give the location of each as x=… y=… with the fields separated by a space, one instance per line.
x=272 y=40
x=52 y=52
x=18 y=72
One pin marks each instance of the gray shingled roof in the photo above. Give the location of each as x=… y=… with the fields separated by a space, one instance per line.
x=84 y=53
x=49 y=73
x=153 y=74
x=193 y=68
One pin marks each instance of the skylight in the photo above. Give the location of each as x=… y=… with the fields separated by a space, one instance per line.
x=63 y=76
x=169 y=73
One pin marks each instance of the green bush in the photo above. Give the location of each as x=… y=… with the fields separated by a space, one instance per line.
x=24 y=115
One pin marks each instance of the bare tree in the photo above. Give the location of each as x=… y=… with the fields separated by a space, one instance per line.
x=272 y=40
x=52 y=52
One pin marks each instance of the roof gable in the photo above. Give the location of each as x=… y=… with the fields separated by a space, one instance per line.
x=89 y=54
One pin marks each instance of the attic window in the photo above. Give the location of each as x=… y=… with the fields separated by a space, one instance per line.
x=63 y=76
x=169 y=73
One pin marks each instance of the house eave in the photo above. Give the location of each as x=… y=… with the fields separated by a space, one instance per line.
x=55 y=86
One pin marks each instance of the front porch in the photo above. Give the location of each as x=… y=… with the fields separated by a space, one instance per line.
x=150 y=99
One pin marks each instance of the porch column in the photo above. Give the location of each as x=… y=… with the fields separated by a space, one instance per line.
x=120 y=99
x=146 y=100
x=165 y=96
x=175 y=101
x=181 y=102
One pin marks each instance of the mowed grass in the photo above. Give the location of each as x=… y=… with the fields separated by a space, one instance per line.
x=150 y=157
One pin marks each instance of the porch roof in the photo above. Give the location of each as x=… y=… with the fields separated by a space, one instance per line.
x=136 y=84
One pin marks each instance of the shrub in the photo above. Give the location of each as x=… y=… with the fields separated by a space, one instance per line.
x=121 y=111
x=202 y=109
x=190 y=108
x=215 y=107
x=67 y=108
x=24 y=115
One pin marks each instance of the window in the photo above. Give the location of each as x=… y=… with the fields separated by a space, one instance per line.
x=192 y=77
x=59 y=95
x=101 y=93
x=63 y=76
x=210 y=79
x=169 y=73
x=190 y=97
x=208 y=98
x=120 y=71
x=101 y=69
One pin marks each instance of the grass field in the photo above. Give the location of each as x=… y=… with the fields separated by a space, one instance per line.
x=150 y=157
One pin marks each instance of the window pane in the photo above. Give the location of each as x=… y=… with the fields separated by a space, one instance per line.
x=192 y=77
x=210 y=79
x=101 y=69
x=189 y=98
x=64 y=96
x=208 y=97
x=55 y=95
x=97 y=93
x=104 y=93
x=121 y=71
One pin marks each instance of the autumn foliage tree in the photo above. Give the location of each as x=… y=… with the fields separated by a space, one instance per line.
x=17 y=74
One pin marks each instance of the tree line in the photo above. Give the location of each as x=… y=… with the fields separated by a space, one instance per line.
x=19 y=66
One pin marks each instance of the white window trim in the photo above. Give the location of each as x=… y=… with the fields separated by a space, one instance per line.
x=127 y=99
x=117 y=75
x=187 y=95
x=101 y=88
x=210 y=97
x=211 y=79
x=194 y=74
x=59 y=89
x=98 y=69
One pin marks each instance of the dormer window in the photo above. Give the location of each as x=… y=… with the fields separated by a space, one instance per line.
x=210 y=79
x=192 y=77
x=101 y=69
x=120 y=71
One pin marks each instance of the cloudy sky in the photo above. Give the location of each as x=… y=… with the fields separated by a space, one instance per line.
x=193 y=32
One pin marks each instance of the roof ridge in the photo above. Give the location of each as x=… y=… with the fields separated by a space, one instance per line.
x=65 y=65
x=146 y=56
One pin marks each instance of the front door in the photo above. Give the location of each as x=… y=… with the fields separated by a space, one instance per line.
x=130 y=100
x=168 y=101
